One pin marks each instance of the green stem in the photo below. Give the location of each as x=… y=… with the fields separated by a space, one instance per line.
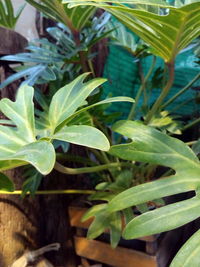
x=191 y=124
x=74 y=171
x=181 y=91
x=141 y=89
x=50 y=192
x=165 y=91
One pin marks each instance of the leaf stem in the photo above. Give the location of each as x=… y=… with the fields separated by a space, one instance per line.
x=74 y=171
x=165 y=91
x=181 y=91
x=191 y=124
x=140 y=90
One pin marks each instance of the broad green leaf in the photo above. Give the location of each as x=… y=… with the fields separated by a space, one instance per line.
x=40 y=154
x=150 y=145
x=5 y=183
x=163 y=219
x=188 y=255
x=83 y=135
x=69 y=98
x=166 y=34
x=18 y=145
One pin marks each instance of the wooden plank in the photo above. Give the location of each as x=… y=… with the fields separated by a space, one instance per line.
x=118 y=257
x=76 y=213
x=11 y=42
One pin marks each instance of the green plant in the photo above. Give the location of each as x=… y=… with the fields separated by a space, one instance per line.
x=7 y=17
x=26 y=139
x=166 y=30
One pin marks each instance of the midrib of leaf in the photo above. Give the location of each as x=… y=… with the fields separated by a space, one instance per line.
x=8 y=137
x=192 y=184
x=174 y=211
x=27 y=121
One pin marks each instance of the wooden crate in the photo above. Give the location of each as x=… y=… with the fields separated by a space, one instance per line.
x=102 y=252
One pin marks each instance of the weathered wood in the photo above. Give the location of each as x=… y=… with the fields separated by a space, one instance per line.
x=11 y=42
x=118 y=257
x=76 y=213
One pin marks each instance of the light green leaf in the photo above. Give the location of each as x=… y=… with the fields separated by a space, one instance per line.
x=83 y=135
x=166 y=34
x=69 y=98
x=40 y=154
x=5 y=183
x=150 y=145
x=163 y=219
x=18 y=145
x=188 y=255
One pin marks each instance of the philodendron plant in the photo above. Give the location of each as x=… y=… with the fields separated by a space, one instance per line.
x=152 y=146
x=167 y=35
x=27 y=139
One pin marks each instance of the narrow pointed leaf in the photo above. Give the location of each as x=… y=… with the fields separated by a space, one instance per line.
x=83 y=135
x=163 y=219
x=146 y=192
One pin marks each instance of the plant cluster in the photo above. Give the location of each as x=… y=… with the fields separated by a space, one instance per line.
x=125 y=157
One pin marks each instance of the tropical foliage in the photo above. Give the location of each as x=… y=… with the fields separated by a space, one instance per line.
x=138 y=148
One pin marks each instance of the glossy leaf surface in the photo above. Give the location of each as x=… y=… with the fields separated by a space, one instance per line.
x=166 y=34
x=69 y=98
x=150 y=145
x=83 y=135
x=163 y=219
x=18 y=145
x=75 y=18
